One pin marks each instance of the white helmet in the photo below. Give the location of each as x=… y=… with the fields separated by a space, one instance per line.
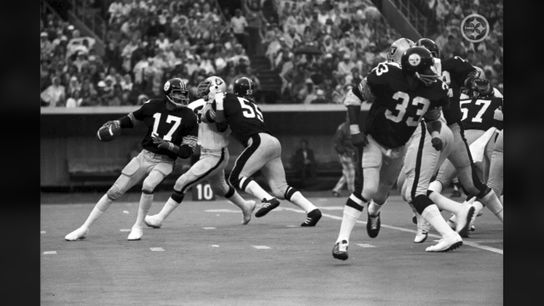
x=397 y=49
x=210 y=86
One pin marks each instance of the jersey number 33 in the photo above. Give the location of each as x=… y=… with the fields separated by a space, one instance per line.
x=421 y=104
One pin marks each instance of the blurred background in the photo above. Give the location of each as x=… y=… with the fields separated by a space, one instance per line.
x=101 y=59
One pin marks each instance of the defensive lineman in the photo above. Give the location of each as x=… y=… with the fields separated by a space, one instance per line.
x=172 y=132
x=214 y=156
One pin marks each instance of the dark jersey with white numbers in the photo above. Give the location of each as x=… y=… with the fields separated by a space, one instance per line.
x=398 y=107
x=455 y=70
x=243 y=116
x=170 y=125
x=480 y=113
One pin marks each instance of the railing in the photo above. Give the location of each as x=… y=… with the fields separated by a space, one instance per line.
x=416 y=18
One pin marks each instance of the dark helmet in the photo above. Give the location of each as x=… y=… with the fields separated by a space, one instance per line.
x=480 y=88
x=243 y=87
x=430 y=45
x=418 y=61
x=176 y=91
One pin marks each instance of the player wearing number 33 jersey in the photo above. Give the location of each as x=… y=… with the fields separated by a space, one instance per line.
x=401 y=96
x=214 y=157
x=262 y=151
x=171 y=132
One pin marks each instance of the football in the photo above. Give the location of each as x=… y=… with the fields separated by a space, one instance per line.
x=108 y=132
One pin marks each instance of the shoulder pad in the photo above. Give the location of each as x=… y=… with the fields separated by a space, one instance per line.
x=497 y=93
x=196 y=103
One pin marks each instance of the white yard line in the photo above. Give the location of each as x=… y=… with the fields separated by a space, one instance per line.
x=261 y=247
x=402 y=229
x=158 y=249
x=50 y=253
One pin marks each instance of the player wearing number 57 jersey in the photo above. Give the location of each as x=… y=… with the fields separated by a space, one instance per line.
x=458 y=73
x=401 y=98
x=172 y=132
x=262 y=151
x=214 y=156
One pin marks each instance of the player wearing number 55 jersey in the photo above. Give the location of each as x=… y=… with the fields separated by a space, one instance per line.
x=401 y=98
x=262 y=152
x=172 y=133
x=214 y=156
x=458 y=73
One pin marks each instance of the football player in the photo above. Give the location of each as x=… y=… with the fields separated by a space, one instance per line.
x=172 y=133
x=214 y=157
x=262 y=151
x=402 y=97
x=458 y=73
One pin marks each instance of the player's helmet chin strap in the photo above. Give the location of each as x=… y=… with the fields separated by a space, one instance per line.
x=183 y=101
x=427 y=79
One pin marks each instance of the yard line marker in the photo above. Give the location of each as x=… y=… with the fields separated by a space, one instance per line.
x=332 y=208
x=156 y=249
x=125 y=212
x=366 y=245
x=42 y=232
x=215 y=245
x=50 y=253
x=402 y=229
x=208 y=228
x=261 y=247
x=291 y=225
x=125 y=230
x=222 y=211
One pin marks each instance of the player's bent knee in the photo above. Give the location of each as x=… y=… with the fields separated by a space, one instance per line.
x=149 y=185
x=421 y=202
x=115 y=192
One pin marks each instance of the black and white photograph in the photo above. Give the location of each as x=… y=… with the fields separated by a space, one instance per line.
x=273 y=152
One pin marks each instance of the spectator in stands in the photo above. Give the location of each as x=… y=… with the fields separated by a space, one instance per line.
x=346 y=154
x=55 y=94
x=239 y=24
x=344 y=68
x=74 y=100
x=304 y=164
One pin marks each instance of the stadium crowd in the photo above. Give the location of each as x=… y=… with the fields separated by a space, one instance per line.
x=318 y=47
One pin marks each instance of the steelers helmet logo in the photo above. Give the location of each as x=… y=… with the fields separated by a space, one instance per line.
x=414 y=59
x=166 y=86
x=475 y=28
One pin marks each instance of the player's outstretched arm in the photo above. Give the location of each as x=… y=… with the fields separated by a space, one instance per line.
x=220 y=119
x=185 y=150
x=434 y=126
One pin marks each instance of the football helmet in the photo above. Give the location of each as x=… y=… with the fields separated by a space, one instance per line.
x=397 y=48
x=430 y=45
x=210 y=86
x=418 y=61
x=176 y=92
x=243 y=87
x=480 y=88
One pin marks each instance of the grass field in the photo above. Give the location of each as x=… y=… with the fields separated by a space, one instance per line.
x=203 y=256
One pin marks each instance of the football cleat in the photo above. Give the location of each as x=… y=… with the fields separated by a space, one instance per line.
x=267 y=206
x=448 y=243
x=136 y=233
x=463 y=220
x=247 y=211
x=77 y=234
x=373 y=224
x=312 y=218
x=340 y=250
x=423 y=228
x=153 y=221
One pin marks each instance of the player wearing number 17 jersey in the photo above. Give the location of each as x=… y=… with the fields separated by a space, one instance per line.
x=401 y=98
x=214 y=156
x=262 y=152
x=172 y=133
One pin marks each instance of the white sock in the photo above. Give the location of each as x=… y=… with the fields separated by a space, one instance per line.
x=373 y=208
x=350 y=217
x=257 y=191
x=435 y=186
x=433 y=216
x=237 y=200
x=167 y=209
x=101 y=206
x=444 y=203
x=299 y=200
x=143 y=208
x=492 y=202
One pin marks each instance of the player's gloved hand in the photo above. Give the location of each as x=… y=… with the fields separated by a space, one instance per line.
x=359 y=139
x=437 y=143
x=163 y=144
x=116 y=124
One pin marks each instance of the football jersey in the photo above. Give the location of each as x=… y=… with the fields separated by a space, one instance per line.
x=480 y=113
x=454 y=71
x=208 y=135
x=170 y=125
x=243 y=116
x=398 y=108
